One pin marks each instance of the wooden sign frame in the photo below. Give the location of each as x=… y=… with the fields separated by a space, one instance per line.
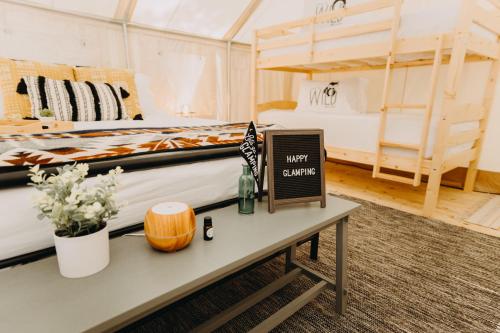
x=268 y=159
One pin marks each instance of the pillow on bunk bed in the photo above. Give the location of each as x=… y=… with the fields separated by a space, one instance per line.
x=346 y=96
x=74 y=101
x=319 y=7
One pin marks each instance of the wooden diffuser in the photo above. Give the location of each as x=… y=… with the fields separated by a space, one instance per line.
x=170 y=226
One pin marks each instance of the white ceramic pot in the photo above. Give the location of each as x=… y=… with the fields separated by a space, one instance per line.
x=82 y=256
x=47 y=119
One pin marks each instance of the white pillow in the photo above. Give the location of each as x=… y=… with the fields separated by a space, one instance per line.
x=356 y=93
x=318 y=7
x=346 y=96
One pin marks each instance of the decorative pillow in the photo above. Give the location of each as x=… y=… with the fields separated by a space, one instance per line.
x=123 y=77
x=321 y=96
x=347 y=96
x=318 y=7
x=356 y=93
x=74 y=101
x=16 y=106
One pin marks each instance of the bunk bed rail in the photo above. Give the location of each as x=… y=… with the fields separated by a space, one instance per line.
x=305 y=32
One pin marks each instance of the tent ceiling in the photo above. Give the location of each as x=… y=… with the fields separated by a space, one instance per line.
x=271 y=12
x=92 y=7
x=210 y=18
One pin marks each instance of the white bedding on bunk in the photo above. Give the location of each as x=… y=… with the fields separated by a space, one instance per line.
x=359 y=131
x=198 y=183
x=435 y=17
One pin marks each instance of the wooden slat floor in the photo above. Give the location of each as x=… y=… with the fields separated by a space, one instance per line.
x=454 y=207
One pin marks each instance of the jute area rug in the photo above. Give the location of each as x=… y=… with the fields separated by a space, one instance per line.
x=406 y=274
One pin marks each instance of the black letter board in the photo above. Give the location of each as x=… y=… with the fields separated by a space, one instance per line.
x=295 y=161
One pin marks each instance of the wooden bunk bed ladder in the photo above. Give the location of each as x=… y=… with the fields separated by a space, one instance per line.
x=421 y=147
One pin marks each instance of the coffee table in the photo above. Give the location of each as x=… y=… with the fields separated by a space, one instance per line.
x=139 y=280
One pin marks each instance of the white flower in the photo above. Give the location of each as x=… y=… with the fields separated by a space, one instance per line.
x=64 y=199
x=36 y=178
x=83 y=168
x=93 y=210
x=73 y=199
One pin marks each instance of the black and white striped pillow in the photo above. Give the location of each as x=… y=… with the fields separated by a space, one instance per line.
x=74 y=101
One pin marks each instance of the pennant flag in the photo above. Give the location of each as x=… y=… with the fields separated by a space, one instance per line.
x=249 y=149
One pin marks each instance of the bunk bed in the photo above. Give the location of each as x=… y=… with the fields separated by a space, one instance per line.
x=378 y=35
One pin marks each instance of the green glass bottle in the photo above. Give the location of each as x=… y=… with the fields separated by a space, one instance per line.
x=246 y=192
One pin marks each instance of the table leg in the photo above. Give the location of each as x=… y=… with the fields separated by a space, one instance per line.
x=313 y=254
x=290 y=257
x=341 y=278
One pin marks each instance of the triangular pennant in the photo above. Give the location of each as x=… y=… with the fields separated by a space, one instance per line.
x=249 y=150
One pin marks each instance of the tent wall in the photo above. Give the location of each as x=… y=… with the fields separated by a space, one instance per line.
x=36 y=34
x=183 y=70
x=193 y=70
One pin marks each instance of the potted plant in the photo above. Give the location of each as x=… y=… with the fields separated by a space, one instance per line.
x=47 y=115
x=79 y=214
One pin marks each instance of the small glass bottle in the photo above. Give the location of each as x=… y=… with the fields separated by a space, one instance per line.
x=246 y=192
x=208 y=229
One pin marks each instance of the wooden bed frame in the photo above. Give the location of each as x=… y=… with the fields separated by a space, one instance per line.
x=454 y=49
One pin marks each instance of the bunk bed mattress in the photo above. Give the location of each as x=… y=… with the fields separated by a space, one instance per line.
x=359 y=131
x=436 y=17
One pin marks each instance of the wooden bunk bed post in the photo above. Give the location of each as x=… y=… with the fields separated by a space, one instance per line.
x=428 y=111
x=455 y=69
x=488 y=105
x=387 y=83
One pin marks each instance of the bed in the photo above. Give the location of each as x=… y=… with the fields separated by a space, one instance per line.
x=190 y=160
x=386 y=35
x=359 y=131
x=199 y=180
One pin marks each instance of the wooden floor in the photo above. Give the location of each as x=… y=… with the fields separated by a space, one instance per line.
x=454 y=206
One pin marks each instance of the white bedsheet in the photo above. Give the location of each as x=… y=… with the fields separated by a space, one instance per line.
x=359 y=131
x=199 y=184
x=418 y=18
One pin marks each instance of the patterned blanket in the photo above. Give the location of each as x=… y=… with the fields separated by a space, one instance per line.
x=47 y=149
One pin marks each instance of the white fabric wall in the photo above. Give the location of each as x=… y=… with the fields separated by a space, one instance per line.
x=35 y=34
x=182 y=71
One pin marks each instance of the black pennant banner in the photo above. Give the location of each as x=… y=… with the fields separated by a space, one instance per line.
x=249 y=150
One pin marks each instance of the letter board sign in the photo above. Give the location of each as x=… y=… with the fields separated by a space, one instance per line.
x=295 y=167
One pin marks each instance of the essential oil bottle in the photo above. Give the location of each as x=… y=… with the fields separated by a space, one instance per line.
x=208 y=229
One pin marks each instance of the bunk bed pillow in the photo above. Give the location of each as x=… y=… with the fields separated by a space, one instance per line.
x=74 y=101
x=319 y=7
x=356 y=93
x=347 y=96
